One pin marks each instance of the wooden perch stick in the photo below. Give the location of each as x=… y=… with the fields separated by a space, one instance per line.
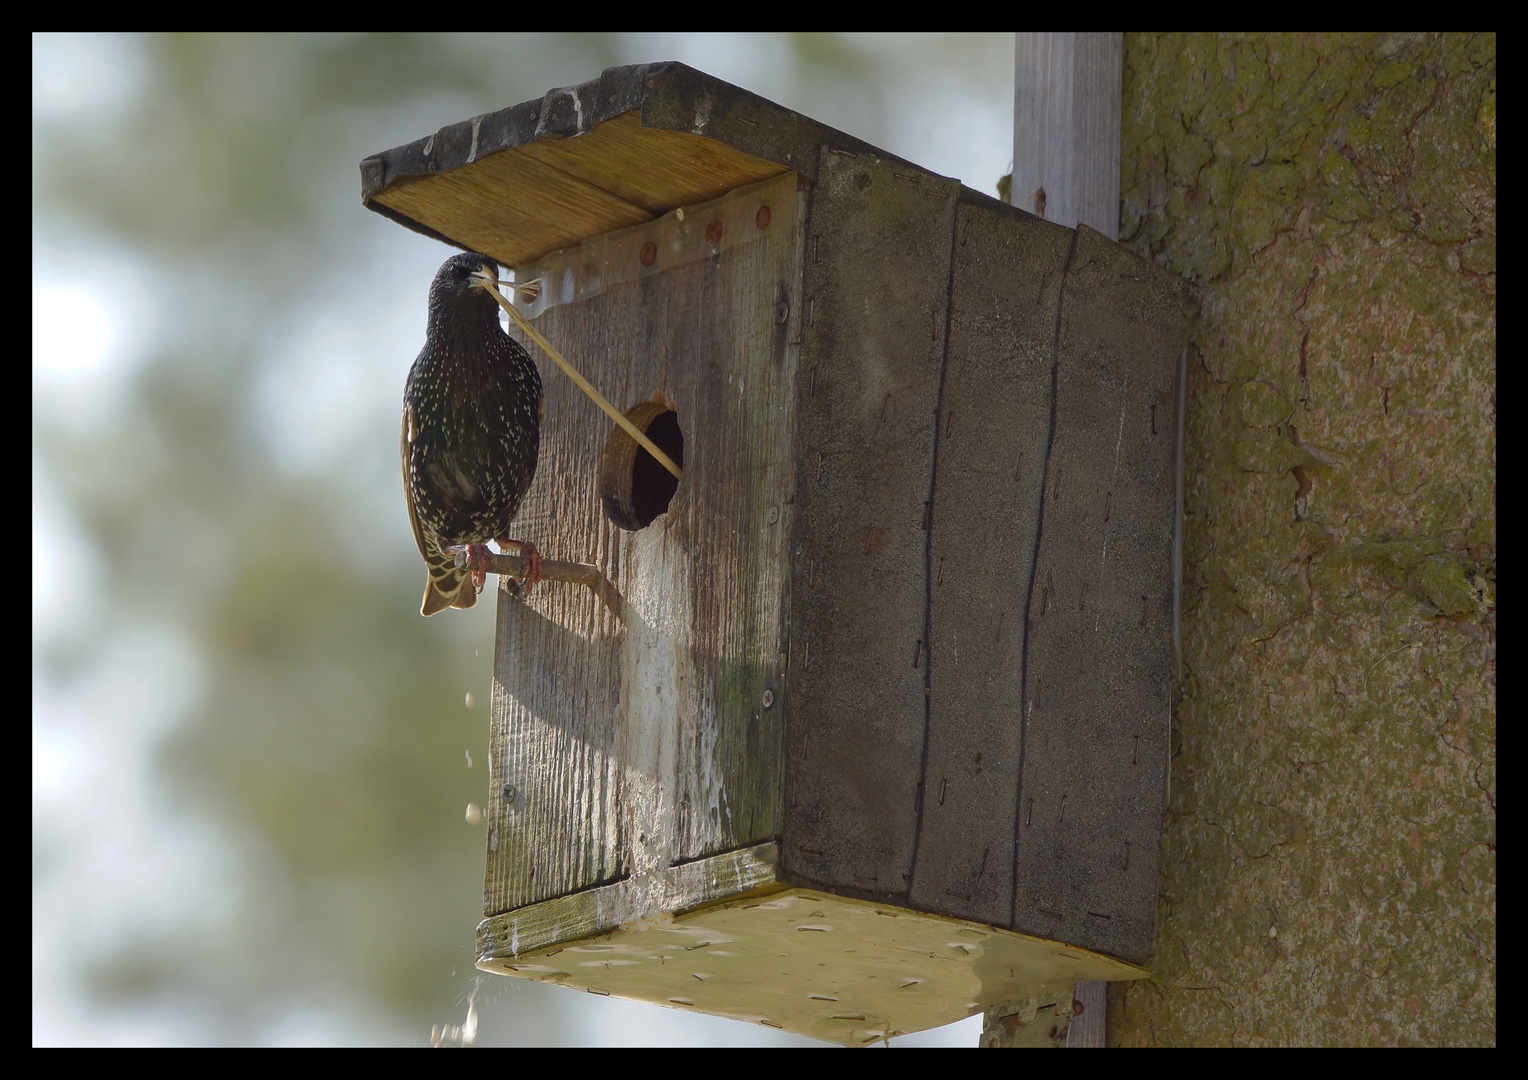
x=583 y=384
x=551 y=569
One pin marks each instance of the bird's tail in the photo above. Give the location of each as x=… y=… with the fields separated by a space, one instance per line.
x=446 y=586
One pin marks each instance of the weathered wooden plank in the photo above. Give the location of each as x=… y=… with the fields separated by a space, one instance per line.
x=646 y=733
x=650 y=167
x=1066 y=125
x=548 y=208
x=994 y=421
x=729 y=876
x=1097 y=655
x=876 y=283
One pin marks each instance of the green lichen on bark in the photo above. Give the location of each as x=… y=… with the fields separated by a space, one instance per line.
x=1329 y=850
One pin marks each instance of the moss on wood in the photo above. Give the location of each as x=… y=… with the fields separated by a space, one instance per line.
x=1329 y=859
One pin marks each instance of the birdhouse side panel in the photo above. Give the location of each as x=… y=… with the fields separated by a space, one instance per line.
x=876 y=282
x=994 y=426
x=1099 y=647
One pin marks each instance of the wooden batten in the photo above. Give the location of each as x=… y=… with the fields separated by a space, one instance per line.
x=889 y=675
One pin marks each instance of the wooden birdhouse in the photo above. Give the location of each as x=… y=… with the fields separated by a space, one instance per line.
x=862 y=723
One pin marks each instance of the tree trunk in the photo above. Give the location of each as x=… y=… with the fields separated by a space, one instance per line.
x=1329 y=863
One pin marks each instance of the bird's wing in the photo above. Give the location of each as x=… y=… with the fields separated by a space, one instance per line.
x=408 y=484
x=444 y=586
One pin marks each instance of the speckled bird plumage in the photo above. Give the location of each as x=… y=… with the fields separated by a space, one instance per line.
x=471 y=428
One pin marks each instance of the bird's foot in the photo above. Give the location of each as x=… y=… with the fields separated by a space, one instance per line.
x=532 y=557
x=476 y=558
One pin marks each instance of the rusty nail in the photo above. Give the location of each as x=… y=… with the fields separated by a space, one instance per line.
x=769 y=698
x=649 y=254
x=761 y=219
x=714 y=232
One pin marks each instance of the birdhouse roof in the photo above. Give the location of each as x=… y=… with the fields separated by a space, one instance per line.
x=584 y=160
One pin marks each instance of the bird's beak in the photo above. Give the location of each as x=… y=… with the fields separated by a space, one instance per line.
x=485 y=279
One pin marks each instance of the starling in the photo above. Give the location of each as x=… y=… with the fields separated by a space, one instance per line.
x=471 y=434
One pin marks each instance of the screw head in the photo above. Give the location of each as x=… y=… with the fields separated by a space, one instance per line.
x=508 y=794
x=773 y=515
x=649 y=254
x=782 y=311
x=769 y=698
x=761 y=219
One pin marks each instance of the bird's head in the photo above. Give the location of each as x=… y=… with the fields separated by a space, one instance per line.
x=466 y=282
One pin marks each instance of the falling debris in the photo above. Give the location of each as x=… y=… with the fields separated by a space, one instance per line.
x=465 y=1033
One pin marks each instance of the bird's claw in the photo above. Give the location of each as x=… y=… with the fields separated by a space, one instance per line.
x=475 y=559
x=533 y=562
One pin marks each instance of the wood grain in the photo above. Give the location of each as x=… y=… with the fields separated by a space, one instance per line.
x=1099 y=610
x=1066 y=124
x=876 y=284
x=993 y=425
x=632 y=736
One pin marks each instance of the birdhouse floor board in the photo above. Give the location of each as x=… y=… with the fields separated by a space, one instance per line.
x=838 y=969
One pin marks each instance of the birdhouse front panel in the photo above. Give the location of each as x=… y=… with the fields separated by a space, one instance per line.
x=639 y=726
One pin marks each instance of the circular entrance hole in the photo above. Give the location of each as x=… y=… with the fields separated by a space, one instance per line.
x=633 y=486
